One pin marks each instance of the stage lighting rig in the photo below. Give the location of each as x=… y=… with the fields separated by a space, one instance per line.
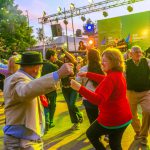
x=83 y=18
x=130 y=8
x=105 y=14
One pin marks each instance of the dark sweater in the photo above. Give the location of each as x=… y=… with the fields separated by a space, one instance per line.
x=138 y=76
x=49 y=67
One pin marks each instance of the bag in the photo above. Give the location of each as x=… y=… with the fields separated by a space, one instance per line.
x=2 y=78
x=44 y=100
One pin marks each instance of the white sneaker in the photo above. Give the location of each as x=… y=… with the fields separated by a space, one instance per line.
x=108 y=147
x=143 y=141
x=76 y=126
x=106 y=138
x=81 y=118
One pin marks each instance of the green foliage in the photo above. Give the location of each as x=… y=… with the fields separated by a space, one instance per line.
x=40 y=34
x=14 y=30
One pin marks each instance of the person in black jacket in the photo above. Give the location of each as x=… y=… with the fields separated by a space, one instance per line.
x=49 y=67
x=147 y=53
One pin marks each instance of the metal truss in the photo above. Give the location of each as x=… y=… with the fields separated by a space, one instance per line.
x=94 y=7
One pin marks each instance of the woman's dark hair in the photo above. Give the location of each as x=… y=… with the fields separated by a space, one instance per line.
x=94 y=65
x=50 y=53
x=81 y=42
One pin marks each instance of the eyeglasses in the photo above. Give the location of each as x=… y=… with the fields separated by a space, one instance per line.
x=105 y=61
x=137 y=52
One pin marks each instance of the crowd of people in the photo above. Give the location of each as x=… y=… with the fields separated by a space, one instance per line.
x=111 y=85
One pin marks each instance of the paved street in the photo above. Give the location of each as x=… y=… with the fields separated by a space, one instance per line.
x=62 y=138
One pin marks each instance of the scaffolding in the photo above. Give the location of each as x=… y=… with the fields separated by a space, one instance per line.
x=80 y=11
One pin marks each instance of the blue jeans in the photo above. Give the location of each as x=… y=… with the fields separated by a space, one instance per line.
x=70 y=96
x=12 y=143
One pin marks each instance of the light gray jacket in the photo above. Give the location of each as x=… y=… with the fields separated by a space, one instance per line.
x=22 y=104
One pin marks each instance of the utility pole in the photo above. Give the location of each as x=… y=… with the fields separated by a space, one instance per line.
x=74 y=40
x=43 y=40
x=43 y=22
x=66 y=22
x=28 y=28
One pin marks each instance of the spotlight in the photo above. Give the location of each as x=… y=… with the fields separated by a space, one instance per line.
x=78 y=12
x=65 y=22
x=89 y=28
x=45 y=19
x=72 y=6
x=83 y=18
x=44 y=13
x=105 y=14
x=91 y=41
x=59 y=10
x=78 y=33
x=130 y=8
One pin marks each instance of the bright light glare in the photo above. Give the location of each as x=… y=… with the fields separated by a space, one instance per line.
x=90 y=42
x=89 y=27
x=90 y=1
x=145 y=32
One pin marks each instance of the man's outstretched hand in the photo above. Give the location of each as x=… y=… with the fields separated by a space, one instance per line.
x=66 y=69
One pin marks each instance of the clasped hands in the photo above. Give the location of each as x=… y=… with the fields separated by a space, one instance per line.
x=67 y=69
x=74 y=84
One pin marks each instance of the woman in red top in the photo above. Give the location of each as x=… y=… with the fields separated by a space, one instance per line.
x=110 y=96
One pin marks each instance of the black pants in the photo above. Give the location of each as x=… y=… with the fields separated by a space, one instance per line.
x=95 y=131
x=70 y=96
x=91 y=110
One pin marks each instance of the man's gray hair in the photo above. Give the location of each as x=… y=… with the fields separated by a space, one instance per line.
x=135 y=48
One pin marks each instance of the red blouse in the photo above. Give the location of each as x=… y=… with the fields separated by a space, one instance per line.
x=110 y=96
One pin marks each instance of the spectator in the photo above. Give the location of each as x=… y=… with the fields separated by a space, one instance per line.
x=147 y=53
x=138 y=91
x=81 y=46
x=127 y=54
x=12 y=68
x=82 y=49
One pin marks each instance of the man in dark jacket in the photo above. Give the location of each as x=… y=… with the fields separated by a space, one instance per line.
x=49 y=67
